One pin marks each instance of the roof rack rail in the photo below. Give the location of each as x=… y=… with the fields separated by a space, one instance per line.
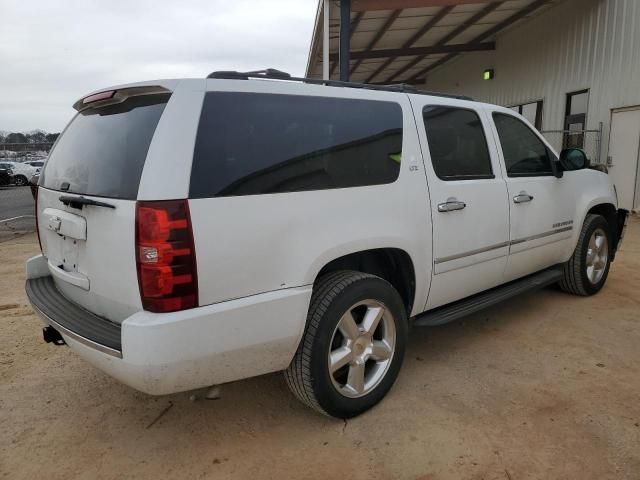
x=273 y=74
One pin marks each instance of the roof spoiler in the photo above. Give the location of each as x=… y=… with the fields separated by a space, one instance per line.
x=118 y=95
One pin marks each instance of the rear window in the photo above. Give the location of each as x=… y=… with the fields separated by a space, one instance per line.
x=103 y=150
x=251 y=143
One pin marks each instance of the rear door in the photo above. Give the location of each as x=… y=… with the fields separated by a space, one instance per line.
x=87 y=199
x=468 y=199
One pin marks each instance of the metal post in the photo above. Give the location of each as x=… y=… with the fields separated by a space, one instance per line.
x=599 y=141
x=345 y=38
x=325 y=41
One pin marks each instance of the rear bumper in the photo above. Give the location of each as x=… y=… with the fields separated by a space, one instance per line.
x=71 y=320
x=172 y=352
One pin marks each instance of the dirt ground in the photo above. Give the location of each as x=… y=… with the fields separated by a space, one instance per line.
x=544 y=386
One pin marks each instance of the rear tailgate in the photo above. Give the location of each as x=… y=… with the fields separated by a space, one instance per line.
x=91 y=254
x=87 y=200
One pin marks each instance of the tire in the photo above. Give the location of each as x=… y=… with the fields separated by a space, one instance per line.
x=578 y=278
x=20 y=180
x=309 y=375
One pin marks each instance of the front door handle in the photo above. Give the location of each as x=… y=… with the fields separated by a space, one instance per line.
x=450 y=205
x=522 y=197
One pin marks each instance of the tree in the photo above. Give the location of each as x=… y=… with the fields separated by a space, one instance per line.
x=16 y=137
x=37 y=137
x=52 y=137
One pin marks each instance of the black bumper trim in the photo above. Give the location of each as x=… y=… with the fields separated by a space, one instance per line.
x=71 y=319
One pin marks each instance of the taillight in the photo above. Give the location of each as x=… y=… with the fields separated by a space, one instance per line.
x=165 y=256
x=34 y=192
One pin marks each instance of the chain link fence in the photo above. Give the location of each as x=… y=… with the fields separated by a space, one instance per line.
x=588 y=140
x=22 y=152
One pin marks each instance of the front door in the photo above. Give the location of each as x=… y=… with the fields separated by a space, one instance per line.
x=468 y=199
x=624 y=156
x=542 y=207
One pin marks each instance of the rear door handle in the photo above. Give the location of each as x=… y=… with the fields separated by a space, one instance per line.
x=450 y=205
x=522 y=197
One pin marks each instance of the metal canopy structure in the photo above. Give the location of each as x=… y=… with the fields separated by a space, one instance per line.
x=401 y=41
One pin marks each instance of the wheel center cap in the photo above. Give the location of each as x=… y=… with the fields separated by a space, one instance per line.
x=360 y=345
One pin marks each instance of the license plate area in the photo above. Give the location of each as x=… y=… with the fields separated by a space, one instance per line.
x=65 y=255
x=66 y=236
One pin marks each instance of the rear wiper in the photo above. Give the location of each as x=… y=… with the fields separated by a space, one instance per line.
x=78 y=202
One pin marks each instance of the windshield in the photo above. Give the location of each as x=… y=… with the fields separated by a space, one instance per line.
x=103 y=150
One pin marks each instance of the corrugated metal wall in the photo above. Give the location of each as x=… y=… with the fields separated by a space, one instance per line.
x=576 y=45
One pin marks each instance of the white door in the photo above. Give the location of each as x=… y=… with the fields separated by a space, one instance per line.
x=468 y=199
x=624 y=146
x=542 y=207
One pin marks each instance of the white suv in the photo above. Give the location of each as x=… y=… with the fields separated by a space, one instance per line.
x=306 y=227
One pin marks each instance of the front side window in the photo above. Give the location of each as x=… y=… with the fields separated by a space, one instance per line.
x=531 y=111
x=457 y=143
x=254 y=143
x=524 y=153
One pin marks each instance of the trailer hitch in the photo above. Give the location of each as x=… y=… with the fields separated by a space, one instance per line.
x=51 y=335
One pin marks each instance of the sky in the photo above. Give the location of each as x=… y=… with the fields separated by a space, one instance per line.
x=52 y=52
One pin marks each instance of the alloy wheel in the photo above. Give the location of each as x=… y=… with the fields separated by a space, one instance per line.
x=362 y=347
x=597 y=255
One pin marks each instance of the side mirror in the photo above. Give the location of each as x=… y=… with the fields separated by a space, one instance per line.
x=573 y=159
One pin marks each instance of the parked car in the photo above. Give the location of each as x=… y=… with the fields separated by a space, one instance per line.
x=21 y=171
x=5 y=176
x=306 y=228
x=35 y=163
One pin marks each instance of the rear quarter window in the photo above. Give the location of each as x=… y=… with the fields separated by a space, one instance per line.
x=103 y=150
x=252 y=143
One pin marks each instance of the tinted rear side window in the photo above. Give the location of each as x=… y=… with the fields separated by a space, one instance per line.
x=251 y=143
x=103 y=150
x=457 y=143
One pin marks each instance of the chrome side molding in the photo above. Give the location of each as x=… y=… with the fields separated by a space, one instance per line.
x=500 y=245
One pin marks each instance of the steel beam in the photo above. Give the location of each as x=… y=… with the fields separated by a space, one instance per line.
x=325 y=40
x=447 y=38
x=369 y=5
x=345 y=39
x=376 y=38
x=414 y=38
x=412 y=51
x=354 y=25
x=492 y=31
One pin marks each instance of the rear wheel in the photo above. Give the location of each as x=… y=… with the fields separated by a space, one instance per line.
x=353 y=345
x=20 y=180
x=587 y=270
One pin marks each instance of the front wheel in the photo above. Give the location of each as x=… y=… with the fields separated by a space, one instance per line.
x=353 y=345
x=586 y=271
